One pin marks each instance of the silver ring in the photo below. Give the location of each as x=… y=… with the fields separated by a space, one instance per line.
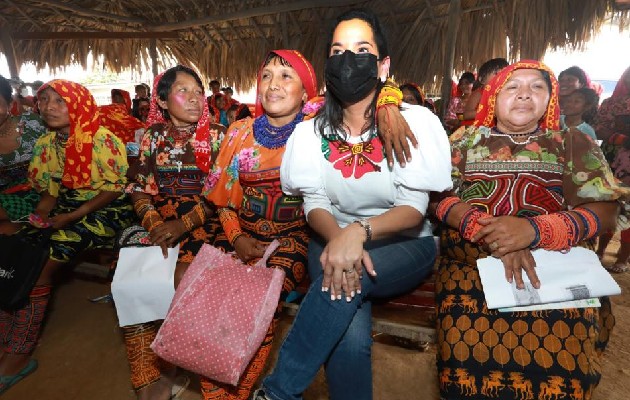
x=494 y=245
x=168 y=234
x=348 y=270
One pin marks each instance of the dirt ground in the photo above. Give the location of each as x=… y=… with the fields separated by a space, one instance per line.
x=81 y=355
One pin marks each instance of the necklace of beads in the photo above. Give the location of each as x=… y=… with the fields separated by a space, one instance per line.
x=515 y=137
x=274 y=137
x=181 y=135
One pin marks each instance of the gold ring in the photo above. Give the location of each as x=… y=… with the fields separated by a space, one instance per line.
x=168 y=234
x=348 y=270
x=494 y=245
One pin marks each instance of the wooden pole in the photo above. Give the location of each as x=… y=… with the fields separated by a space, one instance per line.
x=454 y=18
x=9 y=53
x=253 y=12
x=78 y=35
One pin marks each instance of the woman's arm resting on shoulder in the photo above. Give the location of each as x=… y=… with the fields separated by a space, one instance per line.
x=395 y=134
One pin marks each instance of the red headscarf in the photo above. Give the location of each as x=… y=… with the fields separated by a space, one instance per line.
x=125 y=95
x=116 y=118
x=622 y=89
x=486 y=109
x=84 y=122
x=303 y=68
x=202 y=134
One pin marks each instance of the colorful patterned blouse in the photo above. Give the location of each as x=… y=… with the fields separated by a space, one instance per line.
x=551 y=172
x=166 y=163
x=14 y=166
x=108 y=168
x=247 y=175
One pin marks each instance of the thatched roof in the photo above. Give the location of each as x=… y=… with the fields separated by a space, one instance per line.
x=227 y=39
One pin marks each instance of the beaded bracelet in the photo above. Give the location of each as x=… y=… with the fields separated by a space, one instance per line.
x=151 y=219
x=365 y=224
x=557 y=231
x=188 y=223
x=445 y=206
x=390 y=94
x=231 y=225
x=590 y=220
x=469 y=226
x=141 y=206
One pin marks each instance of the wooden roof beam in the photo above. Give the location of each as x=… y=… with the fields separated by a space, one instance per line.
x=205 y=33
x=78 y=35
x=454 y=19
x=260 y=31
x=25 y=15
x=253 y=12
x=295 y=23
x=9 y=53
x=284 y=31
x=89 y=12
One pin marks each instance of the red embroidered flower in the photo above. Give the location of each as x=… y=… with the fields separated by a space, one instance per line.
x=356 y=159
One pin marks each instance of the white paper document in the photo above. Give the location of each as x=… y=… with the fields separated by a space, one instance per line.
x=575 y=275
x=143 y=284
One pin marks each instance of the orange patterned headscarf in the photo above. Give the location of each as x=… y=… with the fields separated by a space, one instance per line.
x=202 y=145
x=84 y=122
x=303 y=68
x=486 y=109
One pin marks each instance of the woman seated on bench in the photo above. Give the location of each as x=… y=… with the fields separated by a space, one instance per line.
x=79 y=169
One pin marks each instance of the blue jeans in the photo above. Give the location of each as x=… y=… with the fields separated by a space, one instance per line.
x=337 y=334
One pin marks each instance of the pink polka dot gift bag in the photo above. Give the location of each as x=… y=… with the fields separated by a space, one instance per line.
x=220 y=314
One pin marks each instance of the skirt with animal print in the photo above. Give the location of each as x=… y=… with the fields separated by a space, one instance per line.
x=485 y=354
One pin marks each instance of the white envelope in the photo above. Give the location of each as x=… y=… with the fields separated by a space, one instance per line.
x=144 y=284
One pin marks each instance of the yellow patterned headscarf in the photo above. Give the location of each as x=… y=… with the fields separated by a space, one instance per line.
x=486 y=109
x=84 y=122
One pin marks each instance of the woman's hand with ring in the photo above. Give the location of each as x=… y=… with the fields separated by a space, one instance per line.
x=165 y=235
x=505 y=234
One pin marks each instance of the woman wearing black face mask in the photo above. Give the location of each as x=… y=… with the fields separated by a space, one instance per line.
x=364 y=215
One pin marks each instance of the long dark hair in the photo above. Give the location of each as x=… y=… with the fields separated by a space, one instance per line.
x=331 y=114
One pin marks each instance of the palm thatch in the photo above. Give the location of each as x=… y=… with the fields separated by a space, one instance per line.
x=227 y=39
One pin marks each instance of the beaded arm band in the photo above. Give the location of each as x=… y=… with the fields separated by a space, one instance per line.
x=230 y=224
x=195 y=217
x=141 y=206
x=561 y=231
x=469 y=224
x=390 y=94
x=151 y=220
x=445 y=206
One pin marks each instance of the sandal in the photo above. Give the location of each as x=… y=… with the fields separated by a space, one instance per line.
x=9 y=380
x=618 y=268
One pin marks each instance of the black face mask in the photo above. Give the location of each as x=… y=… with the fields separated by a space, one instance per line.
x=351 y=76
